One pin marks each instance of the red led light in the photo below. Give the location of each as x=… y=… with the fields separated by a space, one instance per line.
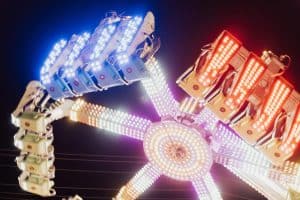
x=293 y=137
x=251 y=72
x=280 y=91
x=226 y=46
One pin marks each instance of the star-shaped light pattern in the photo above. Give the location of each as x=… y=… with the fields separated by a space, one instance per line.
x=235 y=97
x=183 y=145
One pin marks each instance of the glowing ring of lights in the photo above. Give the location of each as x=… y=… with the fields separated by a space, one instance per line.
x=177 y=150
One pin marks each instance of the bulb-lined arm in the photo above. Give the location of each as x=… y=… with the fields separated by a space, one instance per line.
x=235 y=153
x=263 y=185
x=139 y=183
x=109 y=119
x=158 y=90
x=206 y=188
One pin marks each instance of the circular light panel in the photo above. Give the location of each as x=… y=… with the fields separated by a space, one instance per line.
x=177 y=151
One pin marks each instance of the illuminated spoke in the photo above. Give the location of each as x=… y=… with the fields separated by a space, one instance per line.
x=206 y=188
x=108 y=119
x=206 y=119
x=263 y=185
x=235 y=153
x=139 y=183
x=158 y=90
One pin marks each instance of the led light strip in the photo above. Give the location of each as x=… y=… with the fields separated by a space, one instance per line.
x=207 y=119
x=263 y=185
x=206 y=188
x=289 y=145
x=108 y=119
x=234 y=152
x=55 y=52
x=80 y=43
x=157 y=89
x=103 y=40
x=225 y=48
x=161 y=145
x=129 y=33
x=278 y=95
x=250 y=74
x=142 y=180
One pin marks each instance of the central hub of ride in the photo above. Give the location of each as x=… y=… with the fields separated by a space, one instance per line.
x=179 y=151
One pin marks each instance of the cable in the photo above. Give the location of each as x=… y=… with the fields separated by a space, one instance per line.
x=82 y=171
x=87 y=160
x=98 y=188
x=115 y=189
x=104 y=161
x=13 y=198
x=93 y=171
x=61 y=196
x=83 y=155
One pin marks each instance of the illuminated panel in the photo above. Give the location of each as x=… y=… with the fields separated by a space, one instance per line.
x=225 y=106
x=79 y=44
x=206 y=188
x=289 y=145
x=280 y=149
x=286 y=175
x=234 y=147
x=261 y=184
x=207 y=119
x=103 y=40
x=158 y=91
x=253 y=128
x=236 y=153
x=250 y=74
x=108 y=119
x=128 y=36
x=177 y=150
x=226 y=46
x=272 y=106
x=139 y=183
x=55 y=52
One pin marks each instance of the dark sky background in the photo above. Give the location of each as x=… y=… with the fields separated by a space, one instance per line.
x=28 y=29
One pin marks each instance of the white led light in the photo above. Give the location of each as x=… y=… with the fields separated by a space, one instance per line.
x=177 y=151
x=206 y=188
x=104 y=37
x=55 y=52
x=236 y=153
x=110 y=120
x=102 y=42
x=142 y=180
x=127 y=38
x=207 y=119
x=158 y=91
x=79 y=45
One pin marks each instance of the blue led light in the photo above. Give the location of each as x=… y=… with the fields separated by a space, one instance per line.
x=122 y=58
x=55 y=52
x=96 y=66
x=102 y=41
x=104 y=37
x=129 y=33
x=80 y=43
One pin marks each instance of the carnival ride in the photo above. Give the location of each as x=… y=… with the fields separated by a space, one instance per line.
x=241 y=113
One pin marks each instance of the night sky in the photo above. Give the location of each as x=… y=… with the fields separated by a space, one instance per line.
x=94 y=163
